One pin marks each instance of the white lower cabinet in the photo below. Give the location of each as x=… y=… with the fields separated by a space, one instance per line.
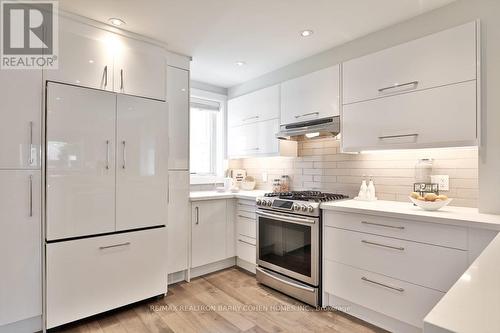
x=178 y=221
x=208 y=232
x=246 y=249
x=20 y=246
x=97 y=274
x=246 y=232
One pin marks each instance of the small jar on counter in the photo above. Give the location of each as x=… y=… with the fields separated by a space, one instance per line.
x=285 y=183
x=276 y=185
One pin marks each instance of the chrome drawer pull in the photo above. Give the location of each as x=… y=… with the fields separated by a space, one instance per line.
x=382 y=284
x=124 y=165
x=105 y=74
x=383 y=245
x=111 y=246
x=30 y=156
x=239 y=240
x=31 y=196
x=197 y=210
x=107 y=155
x=307 y=114
x=383 y=225
x=397 y=136
x=250 y=118
x=246 y=217
x=412 y=83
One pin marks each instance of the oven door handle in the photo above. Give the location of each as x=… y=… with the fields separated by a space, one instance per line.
x=286 y=218
x=274 y=276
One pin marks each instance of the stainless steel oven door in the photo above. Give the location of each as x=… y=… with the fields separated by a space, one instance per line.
x=289 y=244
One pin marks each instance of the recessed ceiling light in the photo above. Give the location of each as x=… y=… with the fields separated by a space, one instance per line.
x=116 y=21
x=241 y=63
x=306 y=33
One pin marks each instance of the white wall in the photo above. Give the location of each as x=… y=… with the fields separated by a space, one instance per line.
x=459 y=12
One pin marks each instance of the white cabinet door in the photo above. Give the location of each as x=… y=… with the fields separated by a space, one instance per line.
x=443 y=58
x=85 y=56
x=260 y=105
x=92 y=275
x=257 y=139
x=20 y=246
x=208 y=240
x=438 y=117
x=80 y=161
x=140 y=69
x=178 y=221
x=178 y=115
x=142 y=162
x=21 y=115
x=312 y=96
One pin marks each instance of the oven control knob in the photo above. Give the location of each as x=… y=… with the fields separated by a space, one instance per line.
x=304 y=208
x=295 y=207
x=310 y=209
x=269 y=203
x=259 y=201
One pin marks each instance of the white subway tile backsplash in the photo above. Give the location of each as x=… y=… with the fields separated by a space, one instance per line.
x=321 y=166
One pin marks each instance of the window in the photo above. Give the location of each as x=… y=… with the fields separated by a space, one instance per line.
x=206 y=139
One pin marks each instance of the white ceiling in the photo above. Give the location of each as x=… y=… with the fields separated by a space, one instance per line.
x=262 y=33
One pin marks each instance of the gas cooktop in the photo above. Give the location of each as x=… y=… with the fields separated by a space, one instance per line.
x=314 y=196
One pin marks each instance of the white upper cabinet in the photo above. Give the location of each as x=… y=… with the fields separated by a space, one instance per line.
x=141 y=162
x=20 y=246
x=259 y=105
x=443 y=58
x=85 y=56
x=80 y=161
x=139 y=69
x=312 y=96
x=178 y=115
x=20 y=114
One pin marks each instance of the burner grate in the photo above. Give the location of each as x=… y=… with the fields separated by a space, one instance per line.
x=316 y=196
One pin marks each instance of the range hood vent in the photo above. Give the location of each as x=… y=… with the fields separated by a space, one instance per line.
x=314 y=129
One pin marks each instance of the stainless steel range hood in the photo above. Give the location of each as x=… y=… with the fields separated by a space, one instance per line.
x=312 y=129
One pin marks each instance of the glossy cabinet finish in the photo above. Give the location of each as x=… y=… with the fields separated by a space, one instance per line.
x=254 y=139
x=85 y=56
x=80 y=161
x=439 y=59
x=92 y=275
x=438 y=117
x=20 y=128
x=263 y=104
x=141 y=162
x=139 y=69
x=178 y=221
x=20 y=245
x=208 y=232
x=312 y=96
x=178 y=115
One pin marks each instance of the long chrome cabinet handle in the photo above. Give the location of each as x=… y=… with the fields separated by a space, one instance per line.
x=115 y=245
x=124 y=165
x=383 y=245
x=105 y=76
x=257 y=148
x=383 y=225
x=197 y=210
x=414 y=83
x=121 y=79
x=30 y=155
x=31 y=196
x=107 y=155
x=307 y=114
x=397 y=136
x=382 y=284
x=250 y=118
x=242 y=241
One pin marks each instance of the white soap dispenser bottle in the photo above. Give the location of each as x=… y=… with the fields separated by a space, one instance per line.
x=363 y=190
x=371 y=190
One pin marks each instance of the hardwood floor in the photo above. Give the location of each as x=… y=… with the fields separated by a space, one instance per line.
x=226 y=301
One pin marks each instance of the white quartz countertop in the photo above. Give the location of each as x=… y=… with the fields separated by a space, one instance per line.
x=472 y=305
x=210 y=195
x=463 y=216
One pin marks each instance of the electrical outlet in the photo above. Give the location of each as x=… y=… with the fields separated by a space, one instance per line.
x=443 y=181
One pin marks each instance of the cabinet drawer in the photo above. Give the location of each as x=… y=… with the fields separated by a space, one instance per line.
x=246 y=227
x=246 y=214
x=426 y=265
x=439 y=59
x=246 y=250
x=246 y=205
x=409 y=120
x=394 y=298
x=431 y=233
x=93 y=275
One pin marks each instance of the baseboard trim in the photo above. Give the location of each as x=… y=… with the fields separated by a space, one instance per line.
x=247 y=266
x=213 y=267
x=177 y=277
x=33 y=324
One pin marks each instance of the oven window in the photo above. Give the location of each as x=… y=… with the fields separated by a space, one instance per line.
x=285 y=244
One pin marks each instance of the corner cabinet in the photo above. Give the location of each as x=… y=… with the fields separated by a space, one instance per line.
x=253 y=121
x=405 y=96
x=312 y=96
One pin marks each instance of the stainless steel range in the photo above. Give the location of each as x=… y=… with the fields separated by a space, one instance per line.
x=289 y=242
